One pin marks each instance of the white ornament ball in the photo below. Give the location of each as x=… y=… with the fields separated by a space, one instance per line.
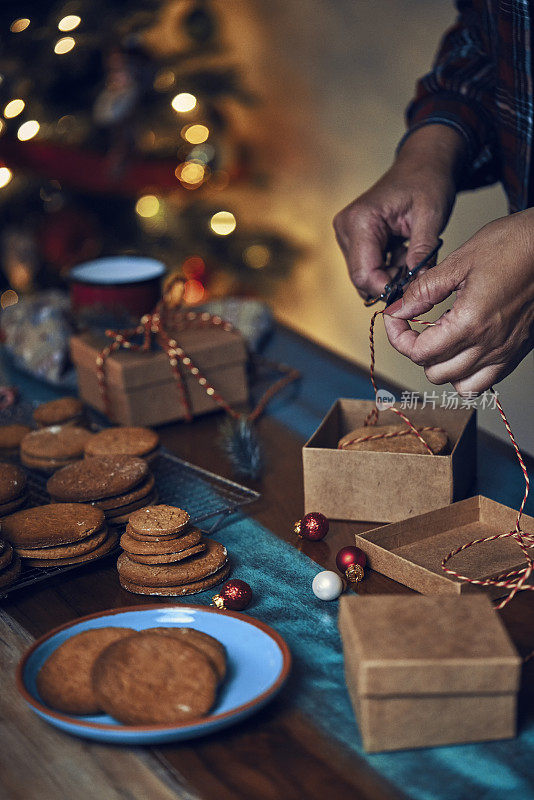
x=327 y=585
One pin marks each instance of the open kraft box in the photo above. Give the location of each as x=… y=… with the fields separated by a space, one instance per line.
x=386 y=487
x=411 y=552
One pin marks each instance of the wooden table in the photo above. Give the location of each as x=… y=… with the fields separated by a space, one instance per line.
x=276 y=755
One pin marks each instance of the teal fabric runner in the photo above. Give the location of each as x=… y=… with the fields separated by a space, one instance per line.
x=281 y=577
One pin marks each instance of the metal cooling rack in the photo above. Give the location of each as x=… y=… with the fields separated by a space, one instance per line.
x=204 y=495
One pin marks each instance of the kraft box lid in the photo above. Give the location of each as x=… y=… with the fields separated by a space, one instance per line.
x=407 y=645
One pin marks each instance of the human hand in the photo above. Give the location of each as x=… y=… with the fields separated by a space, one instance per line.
x=490 y=327
x=413 y=200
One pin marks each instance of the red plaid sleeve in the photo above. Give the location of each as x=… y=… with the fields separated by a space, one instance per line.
x=459 y=92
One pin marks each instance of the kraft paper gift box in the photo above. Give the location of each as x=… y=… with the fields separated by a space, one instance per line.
x=385 y=487
x=411 y=551
x=141 y=387
x=427 y=671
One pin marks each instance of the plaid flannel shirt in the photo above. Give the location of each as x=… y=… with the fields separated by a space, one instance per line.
x=481 y=85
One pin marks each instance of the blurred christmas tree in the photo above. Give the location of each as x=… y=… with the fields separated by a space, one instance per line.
x=117 y=137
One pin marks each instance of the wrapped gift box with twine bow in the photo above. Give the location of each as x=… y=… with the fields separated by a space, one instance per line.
x=176 y=364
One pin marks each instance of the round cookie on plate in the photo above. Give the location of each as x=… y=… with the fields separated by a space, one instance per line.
x=127 y=441
x=149 y=679
x=64 y=681
x=118 y=485
x=394 y=439
x=50 y=449
x=10 y=438
x=63 y=411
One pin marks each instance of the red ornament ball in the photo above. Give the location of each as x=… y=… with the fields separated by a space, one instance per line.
x=351 y=561
x=235 y=595
x=313 y=526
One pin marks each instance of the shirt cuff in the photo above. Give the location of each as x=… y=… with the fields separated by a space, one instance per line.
x=470 y=120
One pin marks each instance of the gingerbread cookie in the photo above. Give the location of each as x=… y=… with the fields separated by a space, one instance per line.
x=167 y=558
x=6 y=555
x=109 y=544
x=10 y=572
x=177 y=591
x=64 y=681
x=56 y=442
x=194 y=569
x=144 y=489
x=403 y=443
x=97 y=477
x=202 y=641
x=162 y=520
x=149 y=679
x=12 y=482
x=86 y=545
x=51 y=525
x=10 y=438
x=64 y=410
x=151 y=547
x=128 y=441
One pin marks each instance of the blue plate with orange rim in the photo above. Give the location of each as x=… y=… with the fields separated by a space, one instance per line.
x=258 y=659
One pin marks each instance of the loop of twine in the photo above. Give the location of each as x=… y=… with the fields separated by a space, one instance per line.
x=154 y=325
x=515 y=580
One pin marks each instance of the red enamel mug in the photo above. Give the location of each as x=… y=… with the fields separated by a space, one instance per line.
x=118 y=284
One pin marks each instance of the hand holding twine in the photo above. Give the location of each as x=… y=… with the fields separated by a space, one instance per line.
x=515 y=580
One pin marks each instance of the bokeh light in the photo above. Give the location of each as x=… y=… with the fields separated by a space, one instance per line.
x=193 y=292
x=14 y=108
x=257 y=256
x=193 y=267
x=184 y=102
x=147 y=205
x=69 y=22
x=190 y=173
x=222 y=223
x=64 y=45
x=164 y=80
x=195 y=134
x=28 y=130
x=5 y=176
x=9 y=298
x=19 y=25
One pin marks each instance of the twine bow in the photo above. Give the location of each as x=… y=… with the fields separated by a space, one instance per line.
x=169 y=310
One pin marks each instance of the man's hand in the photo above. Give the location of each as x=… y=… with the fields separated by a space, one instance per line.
x=490 y=327
x=413 y=200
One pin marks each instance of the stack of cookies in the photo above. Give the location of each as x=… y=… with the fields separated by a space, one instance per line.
x=155 y=676
x=49 y=449
x=163 y=556
x=118 y=485
x=10 y=438
x=127 y=441
x=13 y=491
x=58 y=534
x=63 y=411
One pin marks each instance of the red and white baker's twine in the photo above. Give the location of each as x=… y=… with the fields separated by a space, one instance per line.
x=152 y=324
x=515 y=580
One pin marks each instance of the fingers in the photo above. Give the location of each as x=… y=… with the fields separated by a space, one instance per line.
x=423 y=238
x=480 y=381
x=429 y=288
x=363 y=237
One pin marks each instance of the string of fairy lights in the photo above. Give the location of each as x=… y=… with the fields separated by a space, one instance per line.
x=192 y=132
